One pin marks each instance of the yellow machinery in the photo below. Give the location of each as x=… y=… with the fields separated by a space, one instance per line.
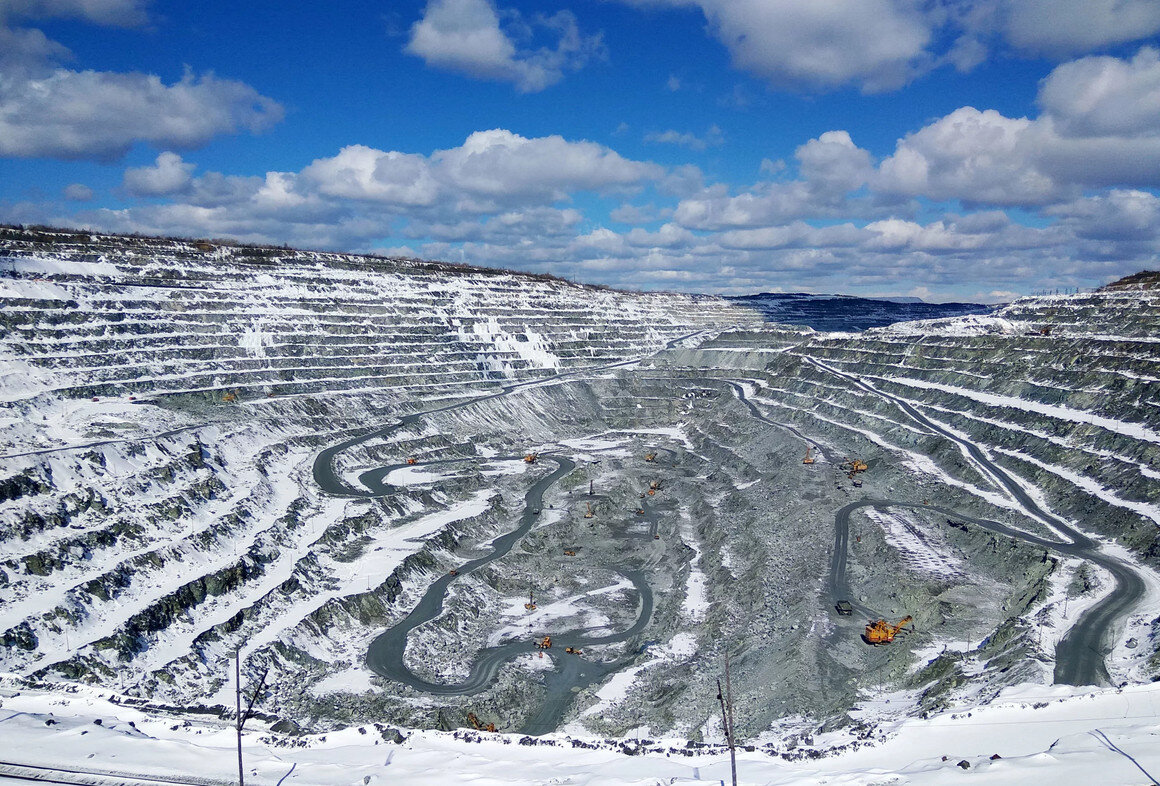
x=544 y=643
x=654 y=487
x=231 y=396
x=882 y=632
x=573 y=651
x=809 y=459
x=531 y=604
x=531 y=458
x=474 y=721
x=640 y=511
x=411 y=459
x=590 y=512
x=569 y=552
x=650 y=456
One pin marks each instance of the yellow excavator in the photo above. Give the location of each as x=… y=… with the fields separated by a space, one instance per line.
x=544 y=643
x=590 y=513
x=654 y=487
x=809 y=459
x=650 y=456
x=855 y=465
x=530 y=458
x=882 y=632
x=474 y=721
x=531 y=604
x=411 y=460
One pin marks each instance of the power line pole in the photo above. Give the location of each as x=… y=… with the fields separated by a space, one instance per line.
x=243 y=717
x=732 y=729
x=726 y=699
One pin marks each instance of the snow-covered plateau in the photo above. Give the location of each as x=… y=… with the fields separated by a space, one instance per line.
x=381 y=483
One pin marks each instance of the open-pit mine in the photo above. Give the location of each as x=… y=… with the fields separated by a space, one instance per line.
x=444 y=497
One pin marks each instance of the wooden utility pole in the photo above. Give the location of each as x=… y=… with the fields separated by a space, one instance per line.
x=732 y=734
x=243 y=717
x=727 y=722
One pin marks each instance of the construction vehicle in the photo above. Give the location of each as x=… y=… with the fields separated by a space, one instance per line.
x=530 y=458
x=650 y=456
x=590 y=513
x=857 y=483
x=809 y=459
x=411 y=460
x=453 y=572
x=544 y=643
x=569 y=552
x=654 y=487
x=640 y=511
x=573 y=651
x=854 y=466
x=231 y=396
x=844 y=608
x=882 y=632
x=474 y=721
x=531 y=604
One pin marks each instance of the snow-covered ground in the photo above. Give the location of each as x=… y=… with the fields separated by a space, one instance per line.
x=1031 y=734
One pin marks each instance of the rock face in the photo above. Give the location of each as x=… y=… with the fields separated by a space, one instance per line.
x=166 y=405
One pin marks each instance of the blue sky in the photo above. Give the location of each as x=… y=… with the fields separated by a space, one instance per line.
x=949 y=149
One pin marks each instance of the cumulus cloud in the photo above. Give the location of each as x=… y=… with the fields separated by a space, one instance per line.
x=1121 y=214
x=168 y=175
x=90 y=114
x=1100 y=96
x=977 y=156
x=1068 y=27
x=880 y=45
x=1100 y=127
x=830 y=167
x=465 y=36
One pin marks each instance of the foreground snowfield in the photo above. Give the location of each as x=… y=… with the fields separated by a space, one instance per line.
x=1039 y=734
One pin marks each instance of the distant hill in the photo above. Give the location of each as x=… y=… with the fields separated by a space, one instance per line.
x=846 y=312
x=1145 y=279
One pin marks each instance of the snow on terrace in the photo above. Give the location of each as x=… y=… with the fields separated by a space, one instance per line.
x=386 y=550
x=1136 y=430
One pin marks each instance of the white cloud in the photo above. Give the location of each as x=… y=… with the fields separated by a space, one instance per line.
x=465 y=36
x=24 y=51
x=823 y=44
x=833 y=164
x=714 y=137
x=880 y=45
x=501 y=165
x=819 y=45
x=1100 y=127
x=168 y=175
x=115 y=13
x=1068 y=27
x=91 y=114
x=1121 y=214
x=970 y=155
x=1101 y=96
x=363 y=173
x=78 y=192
